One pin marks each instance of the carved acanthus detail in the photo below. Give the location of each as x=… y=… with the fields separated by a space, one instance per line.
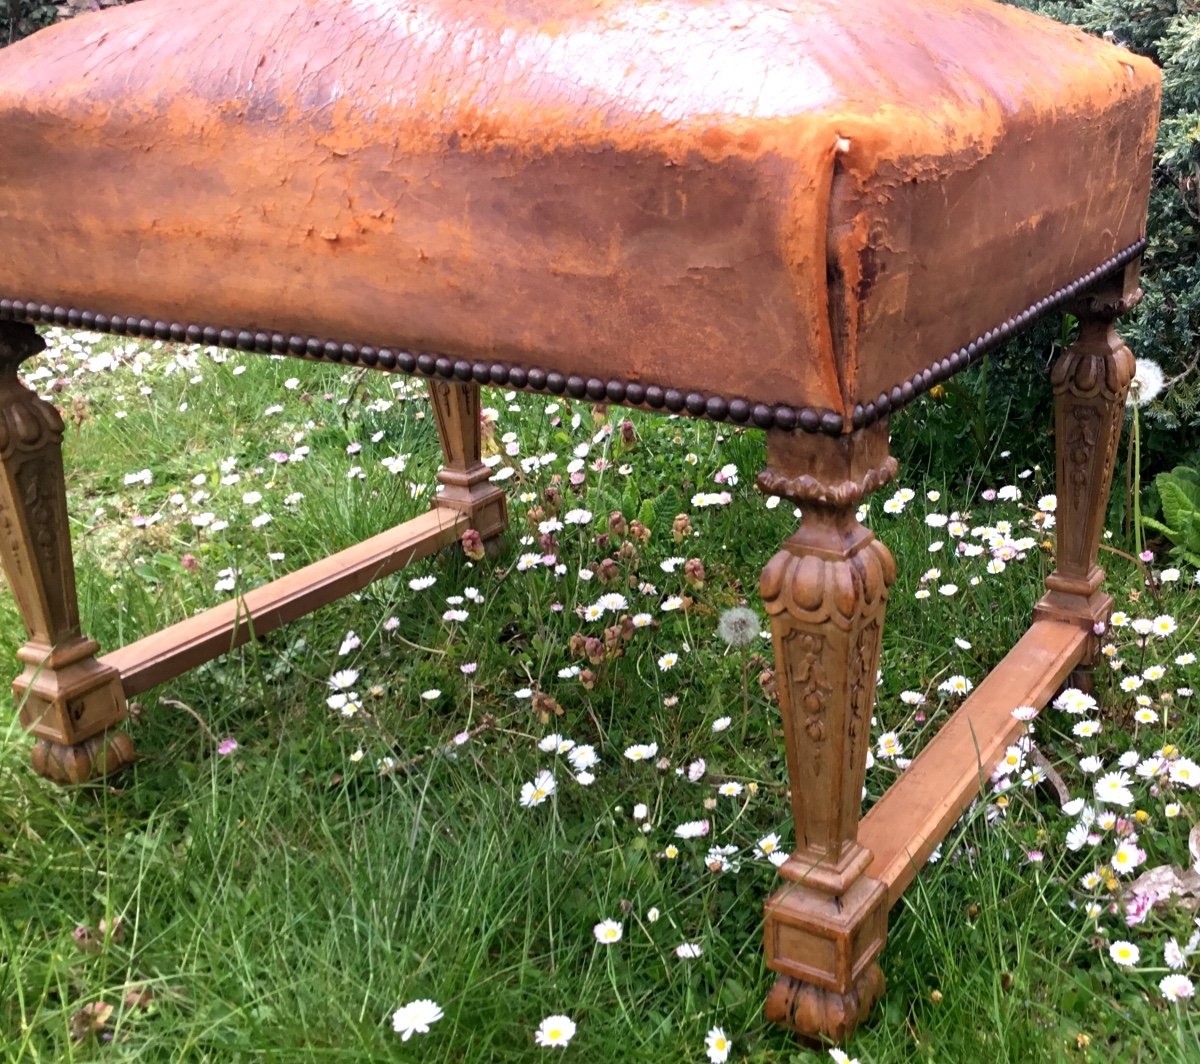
x=813 y=588
x=36 y=484
x=29 y=428
x=864 y=664
x=1083 y=436
x=807 y=684
x=808 y=489
x=1096 y=368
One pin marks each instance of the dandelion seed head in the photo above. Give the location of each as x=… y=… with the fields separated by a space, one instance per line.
x=738 y=626
x=1147 y=384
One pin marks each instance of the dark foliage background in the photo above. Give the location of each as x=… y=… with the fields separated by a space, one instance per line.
x=941 y=435
x=19 y=18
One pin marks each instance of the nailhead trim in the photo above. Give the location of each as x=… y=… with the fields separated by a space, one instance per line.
x=628 y=393
x=903 y=394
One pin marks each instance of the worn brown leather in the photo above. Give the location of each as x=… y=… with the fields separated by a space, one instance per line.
x=793 y=201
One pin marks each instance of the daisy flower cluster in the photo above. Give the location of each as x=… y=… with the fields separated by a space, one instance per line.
x=1132 y=797
x=204 y=515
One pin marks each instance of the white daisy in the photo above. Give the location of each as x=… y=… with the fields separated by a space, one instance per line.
x=555 y=1031
x=641 y=751
x=607 y=932
x=1176 y=987
x=1126 y=954
x=415 y=1017
x=1113 y=789
x=538 y=791
x=717 y=1045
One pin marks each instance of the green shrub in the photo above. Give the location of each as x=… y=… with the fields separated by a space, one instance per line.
x=19 y=18
x=1179 y=493
x=1165 y=327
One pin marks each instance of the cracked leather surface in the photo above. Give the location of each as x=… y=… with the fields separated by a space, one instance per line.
x=798 y=201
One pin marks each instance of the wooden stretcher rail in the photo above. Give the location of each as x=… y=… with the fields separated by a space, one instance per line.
x=169 y=653
x=909 y=821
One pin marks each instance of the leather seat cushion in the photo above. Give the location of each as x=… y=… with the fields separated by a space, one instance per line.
x=799 y=201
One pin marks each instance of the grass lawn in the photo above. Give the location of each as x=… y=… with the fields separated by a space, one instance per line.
x=328 y=824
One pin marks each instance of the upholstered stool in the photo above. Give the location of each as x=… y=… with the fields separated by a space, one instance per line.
x=795 y=215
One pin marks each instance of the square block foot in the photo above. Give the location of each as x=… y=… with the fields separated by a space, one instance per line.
x=827 y=940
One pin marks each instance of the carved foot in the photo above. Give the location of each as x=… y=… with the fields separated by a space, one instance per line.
x=821 y=1015
x=93 y=759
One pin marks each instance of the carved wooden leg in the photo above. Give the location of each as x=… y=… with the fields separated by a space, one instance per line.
x=68 y=699
x=464 y=477
x=1091 y=379
x=826 y=592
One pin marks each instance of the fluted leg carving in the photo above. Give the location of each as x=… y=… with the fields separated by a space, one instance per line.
x=826 y=593
x=464 y=477
x=67 y=699
x=1091 y=379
